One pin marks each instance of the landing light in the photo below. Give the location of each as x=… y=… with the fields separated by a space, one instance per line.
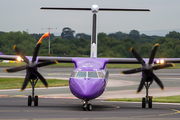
x=157 y=61
x=161 y=61
x=19 y=59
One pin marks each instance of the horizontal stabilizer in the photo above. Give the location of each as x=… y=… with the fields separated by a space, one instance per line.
x=100 y=9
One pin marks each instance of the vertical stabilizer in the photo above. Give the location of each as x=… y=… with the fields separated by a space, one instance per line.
x=94 y=10
x=93 y=53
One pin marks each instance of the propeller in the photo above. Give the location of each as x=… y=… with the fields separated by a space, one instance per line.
x=31 y=66
x=147 y=68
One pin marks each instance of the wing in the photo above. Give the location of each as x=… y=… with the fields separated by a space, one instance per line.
x=8 y=57
x=122 y=61
x=108 y=60
x=169 y=60
x=134 y=60
x=59 y=59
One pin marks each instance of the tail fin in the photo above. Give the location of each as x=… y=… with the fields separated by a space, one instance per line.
x=94 y=9
x=94 y=35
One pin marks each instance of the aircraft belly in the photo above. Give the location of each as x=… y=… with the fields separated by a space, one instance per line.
x=87 y=88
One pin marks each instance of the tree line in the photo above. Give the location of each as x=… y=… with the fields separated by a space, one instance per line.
x=109 y=45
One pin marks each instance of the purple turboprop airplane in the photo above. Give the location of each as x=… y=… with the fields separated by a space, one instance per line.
x=90 y=76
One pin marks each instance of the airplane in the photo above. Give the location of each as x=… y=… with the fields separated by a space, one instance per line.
x=90 y=76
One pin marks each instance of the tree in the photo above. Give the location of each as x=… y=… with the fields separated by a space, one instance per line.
x=83 y=35
x=173 y=34
x=134 y=34
x=67 y=33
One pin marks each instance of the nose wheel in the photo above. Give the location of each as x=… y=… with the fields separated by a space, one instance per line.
x=147 y=99
x=87 y=106
x=33 y=98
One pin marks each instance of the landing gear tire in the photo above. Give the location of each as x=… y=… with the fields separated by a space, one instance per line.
x=89 y=107
x=143 y=103
x=29 y=100
x=84 y=107
x=36 y=101
x=150 y=102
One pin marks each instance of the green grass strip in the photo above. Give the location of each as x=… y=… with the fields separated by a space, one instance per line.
x=168 y=99
x=16 y=83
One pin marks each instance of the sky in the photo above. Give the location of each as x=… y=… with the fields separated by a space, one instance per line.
x=25 y=15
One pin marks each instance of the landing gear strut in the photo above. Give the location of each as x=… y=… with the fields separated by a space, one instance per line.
x=147 y=99
x=33 y=98
x=87 y=106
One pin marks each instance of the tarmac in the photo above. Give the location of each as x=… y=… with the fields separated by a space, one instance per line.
x=58 y=102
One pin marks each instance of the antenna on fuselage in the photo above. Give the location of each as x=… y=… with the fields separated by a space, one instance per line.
x=94 y=9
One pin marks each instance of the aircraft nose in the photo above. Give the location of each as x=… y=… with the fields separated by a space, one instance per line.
x=87 y=88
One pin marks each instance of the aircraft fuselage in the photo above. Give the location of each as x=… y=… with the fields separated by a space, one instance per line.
x=88 y=82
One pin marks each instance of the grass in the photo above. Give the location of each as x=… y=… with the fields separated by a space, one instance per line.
x=16 y=83
x=168 y=99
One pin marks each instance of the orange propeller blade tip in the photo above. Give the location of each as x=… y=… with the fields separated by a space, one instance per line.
x=56 y=62
x=21 y=90
x=163 y=89
x=173 y=64
x=156 y=44
x=5 y=70
x=122 y=72
x=14 y=47
x=131 y=48
x=137 y=92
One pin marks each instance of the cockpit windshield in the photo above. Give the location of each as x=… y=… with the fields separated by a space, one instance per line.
x=92 y=75
x=81 y=74
x=87 y=74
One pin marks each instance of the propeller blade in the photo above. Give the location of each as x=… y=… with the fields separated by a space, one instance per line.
x=40 y=77
x=141 y=83
x=137 y=56
x=163 y=66
x=15 y=69
x=132 y=71
x=46 y=63
x=20 y=54
x=36 y=52
x=158 y=81
x=26 y=80
x=153 y=52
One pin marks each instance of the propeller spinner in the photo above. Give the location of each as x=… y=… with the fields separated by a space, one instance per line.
x=31 y=66
x=147 y=68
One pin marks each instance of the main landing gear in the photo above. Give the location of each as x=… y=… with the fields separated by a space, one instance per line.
x=33 y=98
x=87 y=106
x=147 y=99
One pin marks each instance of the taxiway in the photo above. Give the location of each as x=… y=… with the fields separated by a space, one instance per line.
x=59 y=103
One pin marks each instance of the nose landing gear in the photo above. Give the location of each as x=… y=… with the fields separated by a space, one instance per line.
x=147 y=99
x=33 y=98
x=87 y=106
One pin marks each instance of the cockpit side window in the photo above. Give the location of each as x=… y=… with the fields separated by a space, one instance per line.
x=74 y=74
x=100 y=75
x=92 y=75
x=81 y=74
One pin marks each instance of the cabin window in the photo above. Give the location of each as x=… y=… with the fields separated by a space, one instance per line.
x=81 y=74
x=100 y=75
x=92 y=75
x=74 y=74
